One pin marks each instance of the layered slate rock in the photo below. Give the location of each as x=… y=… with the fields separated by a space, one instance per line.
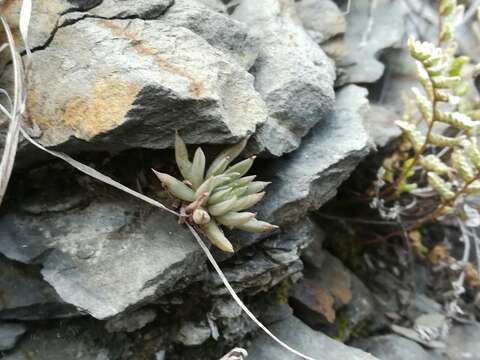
x=371 y=28
x=45 y=18
x=104 y=257
x=272 y=261
x=10 y=333
x=206 y=18
x=292 y=73
x=125 y=9
x=49 y=15
x=310 y=176
x=60 y=343
x=132 y=83
x=230 y=36
x=302 y=338
x=330 y=292
x=25 y=295
x=394 y=347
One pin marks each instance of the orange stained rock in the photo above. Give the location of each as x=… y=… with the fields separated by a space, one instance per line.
x=90 y=115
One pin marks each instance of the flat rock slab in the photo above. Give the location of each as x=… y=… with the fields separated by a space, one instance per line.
x=394 y=347
x=106 y=257
x=302 y=338
x=310 y=176
x=132 y=83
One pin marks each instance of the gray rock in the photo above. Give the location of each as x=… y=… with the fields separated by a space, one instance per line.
x=309 y=177
x=216 y=5
x=131 y=322
x=258 y=272
x=415 y=335
x=206 y=18
x=380 y=124
x=287 y=247
x=24 y=295
x=106 y=81
x=111 y=255
x=322 y=291
x=227 y=315
x=302 y=338
x=321 y=18
x=313 y=255
x=462 y=342
x=425 y=305
x=293 y=75
x=160 y=355
x=191 y=334
x=123 y=9
x=279 y=256
x=372 y=27
x=10 y=333
x=58 y=344
x=221 y=31
x=400 y=78
x=329 y=290
x=394 y=347
x=45 y=17
x=362 y=307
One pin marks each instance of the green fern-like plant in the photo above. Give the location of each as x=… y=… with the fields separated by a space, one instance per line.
x=444 y=158
x=218 y=195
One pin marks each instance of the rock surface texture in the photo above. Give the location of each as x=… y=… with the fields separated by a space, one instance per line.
x=129 y=80
x=299 y=335
x=88 y=251
x=292 y=74
x=394 y=347
x=371 y=28
x=309 y=177
x=90 y=273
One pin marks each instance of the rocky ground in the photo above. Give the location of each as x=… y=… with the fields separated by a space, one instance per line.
x=90 y=273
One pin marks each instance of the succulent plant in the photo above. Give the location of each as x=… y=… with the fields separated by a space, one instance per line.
x=218 y=195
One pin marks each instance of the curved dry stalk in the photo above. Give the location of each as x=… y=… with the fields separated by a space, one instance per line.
x=14 y=116
x=17 y=105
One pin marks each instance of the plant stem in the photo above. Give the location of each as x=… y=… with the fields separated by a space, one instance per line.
x=439 y=211
x=418 y=153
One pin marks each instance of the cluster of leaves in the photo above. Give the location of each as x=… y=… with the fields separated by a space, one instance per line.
x=440 y=155
x=217 y=195
x=435 y=171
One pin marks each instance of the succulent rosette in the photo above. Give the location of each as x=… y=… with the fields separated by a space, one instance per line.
x=217 y=195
